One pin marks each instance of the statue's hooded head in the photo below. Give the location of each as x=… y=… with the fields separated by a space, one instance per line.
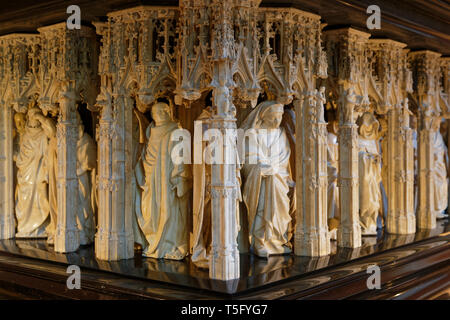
x=19 y=121
x=368 y=126
x=80 y=126
x=161 y=113
x=267 y=115
x=32 y=119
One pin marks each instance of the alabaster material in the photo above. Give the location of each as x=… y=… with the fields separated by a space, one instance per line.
x=86 y=164
x=267 y=179
x=32 y=161
x=164 y=202
x=440 y=181
x=55 y=178
x=333 y=167
x=369 y=175
x=201 y=208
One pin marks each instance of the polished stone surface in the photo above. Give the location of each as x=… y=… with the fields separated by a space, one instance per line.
x=255 y=272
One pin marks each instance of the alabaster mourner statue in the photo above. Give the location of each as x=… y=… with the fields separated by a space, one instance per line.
x=86 y=163
x=201 y=236
x=332 y=168
x=52 y=172
x=369 y=174
x=32 y=205
x=163 y=218
x=267 y=180
x=440 y=182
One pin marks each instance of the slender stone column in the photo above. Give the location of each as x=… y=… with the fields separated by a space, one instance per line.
x=114 y=239
x=401 y=218
x=311 y=236
x=224 y=262
x=7 y=222
x=349 y=233
x=67 y=238
x=349 y=71
x=426 y=218
x=427 y=91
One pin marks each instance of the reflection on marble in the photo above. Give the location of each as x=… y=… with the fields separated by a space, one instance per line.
x=255 y=272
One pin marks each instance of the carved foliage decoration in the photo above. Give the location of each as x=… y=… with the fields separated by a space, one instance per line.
x=138 y=53
x=290 y=55
x=19 y=66
x=68 y=66
x=426 y=66
x=391 y=78
x=279 y=47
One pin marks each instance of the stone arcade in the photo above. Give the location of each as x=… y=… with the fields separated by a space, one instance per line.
x=156 y=69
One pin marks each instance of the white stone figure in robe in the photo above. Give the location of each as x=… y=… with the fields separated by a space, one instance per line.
x=86 y=162
x=18 y=131
x=201 y=235
x=413 y=122
x=267 y=181
x=50 y=124
x=440 y=182
x=163 y=218
x=32 y=206
x=333 y=211
x=369 y=174
x=383 y=147
x=140 y=124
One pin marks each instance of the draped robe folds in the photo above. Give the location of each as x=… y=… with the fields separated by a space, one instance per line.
x=163 y=218
x=32 y=205
x=201 y=234
x=86 y=162
x=49 y=126
x=440 y=182
x=369 y=185
x=140 y=138
x=384 y=182
x=266 y=191
x=332 y=168
x=416 y=170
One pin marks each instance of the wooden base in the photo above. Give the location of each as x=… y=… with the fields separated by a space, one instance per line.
x=418 y=270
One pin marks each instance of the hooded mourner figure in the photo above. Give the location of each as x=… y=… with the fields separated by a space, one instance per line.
x=163 y=214
x=267 y=180
x=369 y=174
x=86 y=163
x=32 y=202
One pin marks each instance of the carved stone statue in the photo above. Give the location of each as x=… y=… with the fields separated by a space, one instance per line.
x=32 y=206
x=334 y=215
x=52 y=172
x=440 y=176
x=369 y=174
x=383 y=146
x=413 y=123
x=201 y=236
x=86 y=163
x=267 y=181
x=140 y=124
x=163 y=218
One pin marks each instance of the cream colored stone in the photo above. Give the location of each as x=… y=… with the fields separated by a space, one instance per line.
x=369 y=174
x=32 y=206
x=267 y=180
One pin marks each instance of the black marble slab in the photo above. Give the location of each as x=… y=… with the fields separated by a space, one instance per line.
x=256 y=273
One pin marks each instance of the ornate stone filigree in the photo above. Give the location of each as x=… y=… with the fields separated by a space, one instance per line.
x=19 y=63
